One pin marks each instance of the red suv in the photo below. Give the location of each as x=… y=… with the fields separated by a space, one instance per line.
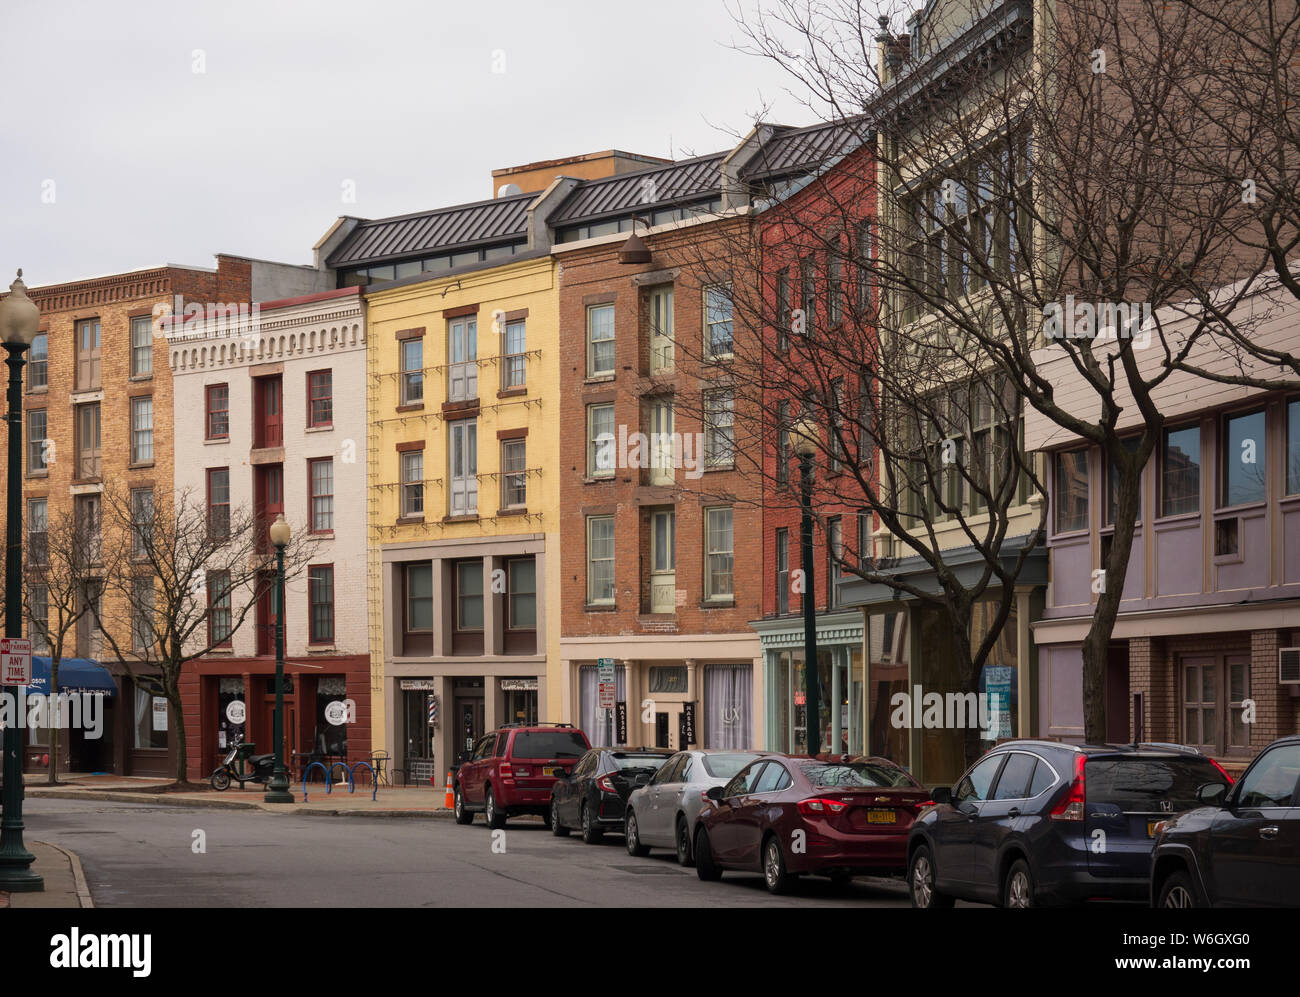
x=511 y=771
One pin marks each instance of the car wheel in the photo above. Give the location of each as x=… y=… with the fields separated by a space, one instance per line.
x=775 y=878
x=705 y=867
x=921 y=881
x=557 y=829
x=496 y=819
x=1178 y=891
x=462 y=813
x=632 y=839
x=590 y=832
x=684 y=843
x=1019 y=889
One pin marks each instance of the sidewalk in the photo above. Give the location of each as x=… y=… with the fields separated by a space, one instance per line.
x=400 y=802
x=65 y=883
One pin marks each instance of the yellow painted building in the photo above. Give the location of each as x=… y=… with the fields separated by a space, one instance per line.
x=463 y=463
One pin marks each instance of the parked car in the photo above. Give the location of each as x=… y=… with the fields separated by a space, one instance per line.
x=662 y=813
x=593 y=797
x=511 y=770
x=786 y=815
x=1242 y=849
x=1034 y=823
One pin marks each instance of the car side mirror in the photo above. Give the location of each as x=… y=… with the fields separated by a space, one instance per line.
x=1212 y=794
x=714 y=793
x=941 y=794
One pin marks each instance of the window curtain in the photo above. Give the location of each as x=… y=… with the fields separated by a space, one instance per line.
x=728 y=700
x=595 y=722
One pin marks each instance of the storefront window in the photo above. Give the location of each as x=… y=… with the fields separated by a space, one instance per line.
x=890 y=657
x=331 y=689
x=598 y=724
x=231 y=713
x=728 y=699
x=150 y=720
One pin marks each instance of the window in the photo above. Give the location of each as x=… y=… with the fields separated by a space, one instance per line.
x=600 y=340
x=1013 y=783
x=412 y=361
x=1071 y=492
x=1244 y=457
x=783 y=571
x=600 y=441
x=808 y=294
x=521 y=581
x=719 y=428
x=142 y=429
x=864 y=267
x=87 y=516
x=219 y=503
x=89 y=633
x=141 y=346
x=836 y=433
x=835 y=558
x=1112 y=483
x=142 y=613
x=1293 y=447
x=662 y=447
x=88 y=356
x=38 y=628
x=661 y=329
x=834 y=287
x=219 y=612
x=320 y=398
x=419 y=597
x=717 y=321
x=217 y=404
x=413 y=483
x=977 y=783
x=268 y=412
x=1180 y=471
x=1215 y=689
x=783 y=311
x=462 y=359
x=514 y=490
x=469 y=595
x=464 y=467
x=864 y=538
x=38 y=362
x=663 y=561
x=782 y=442
x=38 y=526
x=142 y=521
x=600 y=560
x=1271 y=782
x=37 y=449
x=320 y=592
x=514 y=367
x=718 y=560
x=320 y=473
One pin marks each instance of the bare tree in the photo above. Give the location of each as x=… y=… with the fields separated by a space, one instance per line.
x=178 y=583
x=56 y=570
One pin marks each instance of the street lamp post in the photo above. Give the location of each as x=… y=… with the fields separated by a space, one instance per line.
x=19 y=321
x=277 y=790
x=804 y=435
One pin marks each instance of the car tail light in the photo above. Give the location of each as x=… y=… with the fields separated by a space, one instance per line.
x=606 y=785
x=1222 y=772
x=820 y=806
x=1071 y=807
x=507 y=771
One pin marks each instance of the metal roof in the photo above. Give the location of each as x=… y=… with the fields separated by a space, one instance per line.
x=799 y=148
x=496 y=220
x=690 y=179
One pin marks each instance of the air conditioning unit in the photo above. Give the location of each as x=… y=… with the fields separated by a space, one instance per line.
x=1288 y=666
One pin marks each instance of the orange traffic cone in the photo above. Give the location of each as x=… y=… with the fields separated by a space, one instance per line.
x=449 y=801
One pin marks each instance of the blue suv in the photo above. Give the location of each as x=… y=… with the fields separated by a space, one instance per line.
x=1036 y=823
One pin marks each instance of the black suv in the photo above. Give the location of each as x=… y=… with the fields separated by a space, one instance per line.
x=1243 y=848
x=1039 y=822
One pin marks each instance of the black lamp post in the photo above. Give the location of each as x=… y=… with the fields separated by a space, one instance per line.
x=19 y=321
x=804 y=436
x=277 y=789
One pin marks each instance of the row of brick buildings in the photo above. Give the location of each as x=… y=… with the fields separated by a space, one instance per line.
x=518 y=436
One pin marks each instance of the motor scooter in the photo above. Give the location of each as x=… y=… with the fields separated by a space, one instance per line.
x=233 y=767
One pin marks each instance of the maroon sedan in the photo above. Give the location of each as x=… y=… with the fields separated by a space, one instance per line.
x=785 y=815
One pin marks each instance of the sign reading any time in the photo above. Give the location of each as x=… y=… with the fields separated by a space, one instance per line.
x=606 y=693
x=15 y=661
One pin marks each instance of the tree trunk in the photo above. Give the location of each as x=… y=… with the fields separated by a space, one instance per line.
x=52 y=777
x=171 y=684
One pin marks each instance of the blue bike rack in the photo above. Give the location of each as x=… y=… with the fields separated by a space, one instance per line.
x=342 y=765
x=314 y=765
x=374 y=786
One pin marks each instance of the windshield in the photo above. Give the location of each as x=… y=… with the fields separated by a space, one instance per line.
x=549 y=744
x=649 y=763
x=856 y=774
x=1140 y=784
x=725 y=766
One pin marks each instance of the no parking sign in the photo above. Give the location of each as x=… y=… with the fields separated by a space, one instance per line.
x=15 y=661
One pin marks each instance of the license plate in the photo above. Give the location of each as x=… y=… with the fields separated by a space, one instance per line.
x=882 y=817
x=552 y=770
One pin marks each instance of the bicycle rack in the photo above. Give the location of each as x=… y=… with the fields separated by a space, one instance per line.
x=374 y=786
x=315 y=765
x=345 y=768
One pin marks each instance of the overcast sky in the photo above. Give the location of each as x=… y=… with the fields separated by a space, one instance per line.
x=139 y=133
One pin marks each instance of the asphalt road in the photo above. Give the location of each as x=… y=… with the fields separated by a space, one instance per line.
x=141 y=855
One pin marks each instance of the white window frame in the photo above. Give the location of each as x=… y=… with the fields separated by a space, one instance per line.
x=713 y=549
x=600 y=447
x=724 y=290
x=598 y=344
x=412 y=474
x=463 y=473
x=592 y=521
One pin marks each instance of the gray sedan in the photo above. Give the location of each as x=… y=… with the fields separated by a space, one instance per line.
x=662 y=813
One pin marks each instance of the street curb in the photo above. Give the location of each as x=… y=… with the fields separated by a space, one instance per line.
x=424 y=814
x=78 y=875
x=158 y=799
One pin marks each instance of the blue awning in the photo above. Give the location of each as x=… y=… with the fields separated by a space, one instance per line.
x=75 y=675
